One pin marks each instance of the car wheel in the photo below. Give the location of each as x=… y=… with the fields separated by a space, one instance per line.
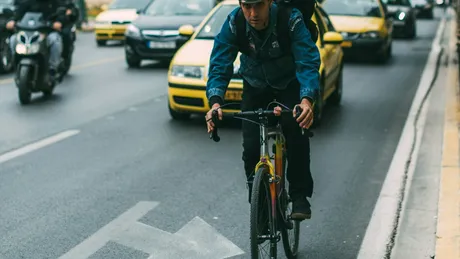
x=132 y=61
x=430 y=14
x=336 y=96
x=101 y=42
x=178 y=115
x=413 y=31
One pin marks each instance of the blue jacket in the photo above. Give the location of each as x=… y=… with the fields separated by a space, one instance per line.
x=271 y=67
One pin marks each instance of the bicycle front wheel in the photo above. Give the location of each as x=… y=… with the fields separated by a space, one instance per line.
x=262 y=225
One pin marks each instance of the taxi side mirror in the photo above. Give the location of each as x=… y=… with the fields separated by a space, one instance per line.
x=186 y=30
x=332 y=37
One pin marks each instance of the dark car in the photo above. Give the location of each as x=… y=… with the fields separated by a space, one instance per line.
x=155 y=32
x=424 y=8
x=404 y=17
x=6 y=57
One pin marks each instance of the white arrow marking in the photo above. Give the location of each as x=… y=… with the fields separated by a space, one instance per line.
x=196 y=239
x=98 y=240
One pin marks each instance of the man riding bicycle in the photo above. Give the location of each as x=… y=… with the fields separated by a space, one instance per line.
x=291 y=78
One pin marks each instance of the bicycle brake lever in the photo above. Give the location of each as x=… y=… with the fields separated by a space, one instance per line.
x=298 y=111
x=214 y=134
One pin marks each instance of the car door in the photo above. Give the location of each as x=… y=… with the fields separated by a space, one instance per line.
x=331 y=52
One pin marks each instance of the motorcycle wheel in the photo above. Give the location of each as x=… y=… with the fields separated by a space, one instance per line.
x=6 y=57
x=24 y=93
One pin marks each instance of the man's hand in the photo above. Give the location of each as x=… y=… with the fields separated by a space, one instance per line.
x=208 y=116
x=306 y=118
x=68 y=12
x=57 y=26
x=10 y=25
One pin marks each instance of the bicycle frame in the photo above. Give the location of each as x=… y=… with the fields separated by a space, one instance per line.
x=276 y=171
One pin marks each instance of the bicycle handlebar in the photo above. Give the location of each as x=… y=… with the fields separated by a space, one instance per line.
x=259 y=113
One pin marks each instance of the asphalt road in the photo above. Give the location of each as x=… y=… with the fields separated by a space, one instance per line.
x=128 y=150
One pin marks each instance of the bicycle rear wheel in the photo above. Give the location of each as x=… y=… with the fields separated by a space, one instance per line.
x=290 y=230
x=262 y=224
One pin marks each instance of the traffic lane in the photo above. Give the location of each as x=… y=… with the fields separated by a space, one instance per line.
x=352 y=152
x=140 y=155
x=85 y=94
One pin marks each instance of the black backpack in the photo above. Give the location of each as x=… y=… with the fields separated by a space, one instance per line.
x=306 y=7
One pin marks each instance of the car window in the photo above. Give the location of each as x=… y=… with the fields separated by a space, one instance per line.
x=353 y=8
x=397 y=2
x=179 y=7
x=213 y=25
x=330 y=26
x=320 y=24
x=128 y=4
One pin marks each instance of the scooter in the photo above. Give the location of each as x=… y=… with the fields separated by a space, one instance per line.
x=32 y=56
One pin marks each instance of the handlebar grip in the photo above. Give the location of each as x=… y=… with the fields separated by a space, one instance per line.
x=298 y=111
x=214 y=134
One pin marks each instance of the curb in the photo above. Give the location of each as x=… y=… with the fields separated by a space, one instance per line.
x=448 y=221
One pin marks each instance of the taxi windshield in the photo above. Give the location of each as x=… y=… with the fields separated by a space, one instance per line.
x=179 y=7
x=128 y=4
x=213 y=25
x=352 y=8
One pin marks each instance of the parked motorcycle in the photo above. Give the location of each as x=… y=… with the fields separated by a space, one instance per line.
x=32 y=56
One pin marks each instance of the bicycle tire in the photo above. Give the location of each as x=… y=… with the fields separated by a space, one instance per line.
x=261 y=201
x=290 y=246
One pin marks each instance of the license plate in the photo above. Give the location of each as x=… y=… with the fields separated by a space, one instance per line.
x=161 y=44
x=346 y=44
x=398 y=23
x=233 y=95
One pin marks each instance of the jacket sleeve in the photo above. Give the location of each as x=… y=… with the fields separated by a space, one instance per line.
x=306 y=55
x=223 y=55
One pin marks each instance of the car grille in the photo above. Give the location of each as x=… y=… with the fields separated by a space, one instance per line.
x=158 y=35
x=198 y=102
x=120 y=22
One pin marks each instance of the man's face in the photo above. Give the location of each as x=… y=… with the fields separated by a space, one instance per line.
x=257 y=14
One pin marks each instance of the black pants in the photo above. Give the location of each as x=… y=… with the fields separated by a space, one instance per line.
x=297 y=145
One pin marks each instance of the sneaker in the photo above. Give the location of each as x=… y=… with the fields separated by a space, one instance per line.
x=301 y=209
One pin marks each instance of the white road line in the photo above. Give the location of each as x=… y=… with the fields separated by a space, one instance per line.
x=37 y=145
x=382 y=223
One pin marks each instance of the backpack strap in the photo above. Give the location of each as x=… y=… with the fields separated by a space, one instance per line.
x=282 y=28
x=241 y=38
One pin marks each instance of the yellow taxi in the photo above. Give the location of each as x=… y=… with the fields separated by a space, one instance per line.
x=187 y=75
x=365 y=26
x=111 y=23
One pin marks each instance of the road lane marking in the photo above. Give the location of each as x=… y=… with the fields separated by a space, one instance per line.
x=196 y=239
x=379 y=233
x=37 y=145
x=73 y=68
x=448 y=221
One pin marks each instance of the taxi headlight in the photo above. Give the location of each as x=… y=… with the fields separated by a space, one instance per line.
x=132 y=31
x=195 y=72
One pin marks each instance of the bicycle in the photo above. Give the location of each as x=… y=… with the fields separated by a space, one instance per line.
x=269 y=185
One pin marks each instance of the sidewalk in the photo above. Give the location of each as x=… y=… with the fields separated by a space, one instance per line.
x=448 y=225
x=429 y=223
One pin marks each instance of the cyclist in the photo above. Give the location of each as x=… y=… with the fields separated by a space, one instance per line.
x=290 y=78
